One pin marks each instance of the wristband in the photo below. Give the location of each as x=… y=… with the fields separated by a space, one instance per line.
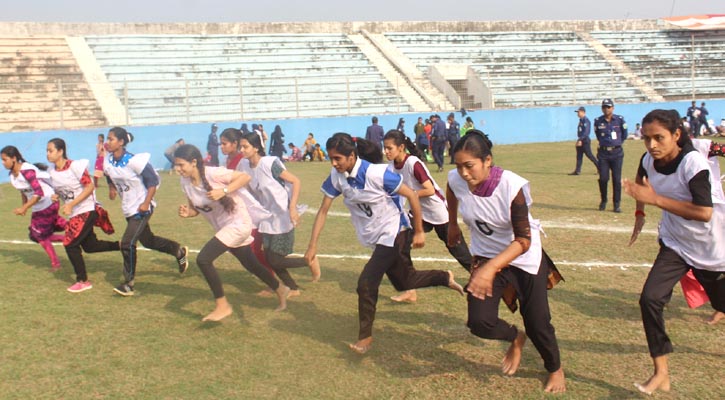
x=225 y=190
x=639 y=213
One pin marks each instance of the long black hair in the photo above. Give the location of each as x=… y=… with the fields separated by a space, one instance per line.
x=255 y=141
x=670 y=120
x=475 y=142
x=232 y=135
x=399 y=138
x=189 y=153
x=122 y=135
x=12 y=152
x=345 y=144
x=59 y=145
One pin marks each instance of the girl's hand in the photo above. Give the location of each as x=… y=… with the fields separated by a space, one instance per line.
x=215 y=194
x=481 y=283
x=19 y=211
x=67 y=209
x=310 y=254
x=638 y=224
x=418 y=239
x=184 y=211
x=294 y=216
x=644 y=192
x=54 y=197
x=454 y=235
x=144 y=208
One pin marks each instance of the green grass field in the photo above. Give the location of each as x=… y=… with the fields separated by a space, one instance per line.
x=95 y=344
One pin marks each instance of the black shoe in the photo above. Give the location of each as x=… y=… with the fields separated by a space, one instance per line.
x=182 y=259
x=440 y=169
x=124 y=290
x=574 y=173
x=617 y=209
x=602 y=206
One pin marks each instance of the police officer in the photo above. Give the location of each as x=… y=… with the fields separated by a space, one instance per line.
x=452 y=134
x=438 y=138
x=693 y=113
x=611 y=131
x=583 y=143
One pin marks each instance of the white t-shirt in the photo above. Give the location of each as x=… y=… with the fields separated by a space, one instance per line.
x=67 y=184
x=126 y=177
x=434 y=207
x=43 y=177
x=370 y=193
x=271 y=194
x=489 y=219
x=700 y=244
x=233 y=229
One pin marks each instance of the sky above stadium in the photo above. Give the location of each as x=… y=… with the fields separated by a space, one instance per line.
x=365 y=10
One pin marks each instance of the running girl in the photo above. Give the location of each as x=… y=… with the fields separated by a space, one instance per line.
x=73 y=185
x=230 y=147
x=372 y=194
x=135 y=181
x=270 y=180
x=432 y=203
x=675 y=177
x=35 y=191
x=506 y=244
x=214 y=192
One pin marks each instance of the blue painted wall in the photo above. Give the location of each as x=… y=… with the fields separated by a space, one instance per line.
x=528 y=125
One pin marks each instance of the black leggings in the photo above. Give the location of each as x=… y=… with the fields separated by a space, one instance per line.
x=88 y=241
x=459 y=252
x=394 y=262
x=138 y=230
x=281 y=263
x=215 y=248
x=483 y=320
x=667 y=270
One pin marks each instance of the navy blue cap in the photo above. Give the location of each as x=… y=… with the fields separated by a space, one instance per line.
x=607 y=103
x=581 y=109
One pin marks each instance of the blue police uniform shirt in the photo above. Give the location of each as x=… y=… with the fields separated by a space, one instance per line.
x=611 y=133
x=583 y=129
x=454 y=129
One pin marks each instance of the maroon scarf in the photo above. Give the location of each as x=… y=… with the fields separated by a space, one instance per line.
x=486 y=188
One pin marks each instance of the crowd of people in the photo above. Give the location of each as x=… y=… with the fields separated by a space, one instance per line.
x=252 y=204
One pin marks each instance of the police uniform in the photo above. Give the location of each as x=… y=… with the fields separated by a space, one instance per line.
x=610 y=154
x=585 y=147
x=453 y=132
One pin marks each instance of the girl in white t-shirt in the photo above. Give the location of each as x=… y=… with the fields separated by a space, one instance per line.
x=372 y=195
x=675 y=177
x=435 y=210
x=509 y=262
x=72 y=184
x=131 y=177
x=214 y=193
x=277 y=190
x=35 y=191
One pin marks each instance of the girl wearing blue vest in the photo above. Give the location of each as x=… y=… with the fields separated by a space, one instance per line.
x=132 y=177
x=372 y=195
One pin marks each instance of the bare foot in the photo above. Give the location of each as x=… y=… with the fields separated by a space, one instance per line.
x=362 y=346
x=714 y=318
x=266 y=293
x=454 y=285
x=556 y=382
x=282 y=293
x=512 y=359
x=315 y=269
x=219 y=313
x=293 y=293
x=659 y=381
x=55 y=268
x=409 y=296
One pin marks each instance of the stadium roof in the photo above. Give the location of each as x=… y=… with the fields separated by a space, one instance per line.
x=698 y=22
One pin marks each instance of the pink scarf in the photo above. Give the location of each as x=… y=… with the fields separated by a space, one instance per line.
x=486 y=188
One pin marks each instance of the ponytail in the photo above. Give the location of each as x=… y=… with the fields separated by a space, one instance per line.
x=122 y=135
x=399 y=138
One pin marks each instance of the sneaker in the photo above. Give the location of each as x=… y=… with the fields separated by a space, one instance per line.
x=80 y=287
x=574 y=173
x=124 y=290
x=183 y=260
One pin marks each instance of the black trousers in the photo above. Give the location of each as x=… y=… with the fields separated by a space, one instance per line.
x=438 y=148
x=610 y=161
x=585 y=149
x=452 y=140
x=280 y=264
x=667 y=270
x=483 y=320
x=215 y=248
x=138 y=230
x=88 y=241
x=459 y=252
x=394 y=262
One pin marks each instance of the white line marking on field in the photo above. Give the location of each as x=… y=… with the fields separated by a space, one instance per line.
x=545 y=225
x=586 y=264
